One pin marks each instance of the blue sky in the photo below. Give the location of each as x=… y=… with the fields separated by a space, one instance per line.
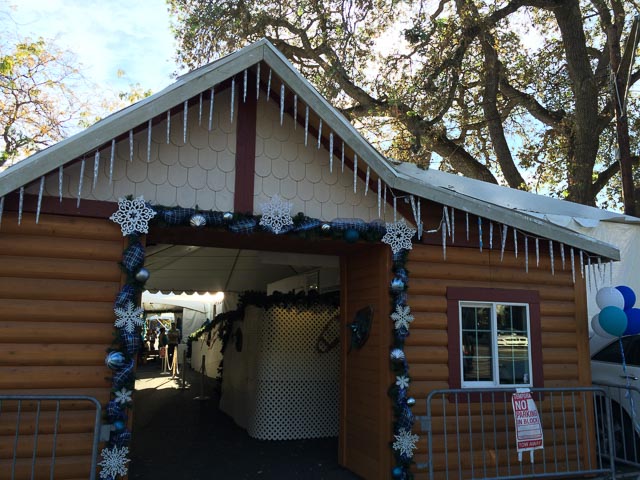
x=106 y=36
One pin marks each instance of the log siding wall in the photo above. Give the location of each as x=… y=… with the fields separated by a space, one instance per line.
x=58 y=281
x=563 y=322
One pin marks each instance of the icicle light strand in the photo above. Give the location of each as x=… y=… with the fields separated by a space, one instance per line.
x=111 y=161
x=212 y=94
x=40 y=192
x=258 y=83
x=355 y=172
x=244 y=87
x=96 y=169
x=281 y=104
x=490 y=235
x=467 y=222
x=149 y=127
x=295 y=111
x=331 y=152
x=319 y=133
x=269 y=84
x=80 y=182
x=505 y=231
x=573 y=265
x=184 y=121
x=131 y=145
x=61 y=177
x=395 y=209
x=551 y=253
x=200 y=109
x=20 y=205
x=366 y=182
x=168 y=126
x=306 y=124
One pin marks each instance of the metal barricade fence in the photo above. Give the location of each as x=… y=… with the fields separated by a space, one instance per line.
x=32 y=423
x=624 y=402
x=471 y=434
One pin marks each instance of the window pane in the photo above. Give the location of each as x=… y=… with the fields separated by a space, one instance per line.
x=476 y=344
x=513 y=345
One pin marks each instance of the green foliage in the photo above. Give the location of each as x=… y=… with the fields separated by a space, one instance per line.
x=418 y=78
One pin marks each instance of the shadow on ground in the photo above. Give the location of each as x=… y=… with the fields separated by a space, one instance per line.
x=177 y=437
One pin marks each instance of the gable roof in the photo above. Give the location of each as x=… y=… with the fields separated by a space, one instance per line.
x=403 y=178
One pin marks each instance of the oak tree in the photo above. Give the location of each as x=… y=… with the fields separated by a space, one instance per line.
x=510 y=91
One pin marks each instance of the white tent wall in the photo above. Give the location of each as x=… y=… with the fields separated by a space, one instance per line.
x=208 y=347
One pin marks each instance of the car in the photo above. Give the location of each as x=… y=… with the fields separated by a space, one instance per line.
x=620 y=377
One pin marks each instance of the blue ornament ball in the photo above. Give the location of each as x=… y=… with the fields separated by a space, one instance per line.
x=351 y=235
x=397 y=285
x=633 y=321
x=115 y=360
x=396 y=472
x=613 y=321
x=142 y=275
x=119 y=425
x=629 y=296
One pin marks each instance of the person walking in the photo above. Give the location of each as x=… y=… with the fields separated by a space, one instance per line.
x=173 y=336
x=163 y=341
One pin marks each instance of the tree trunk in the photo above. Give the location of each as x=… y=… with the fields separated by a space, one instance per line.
x=584 y=139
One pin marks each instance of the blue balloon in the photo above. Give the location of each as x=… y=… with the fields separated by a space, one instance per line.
x=613 y=320
x=633 y=321
x=629 y=296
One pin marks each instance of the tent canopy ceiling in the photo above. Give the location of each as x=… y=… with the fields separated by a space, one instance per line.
x=178 y=268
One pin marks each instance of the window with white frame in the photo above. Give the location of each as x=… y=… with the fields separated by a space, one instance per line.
x=495 y=349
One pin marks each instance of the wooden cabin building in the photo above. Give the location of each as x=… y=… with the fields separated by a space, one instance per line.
x=222 y=142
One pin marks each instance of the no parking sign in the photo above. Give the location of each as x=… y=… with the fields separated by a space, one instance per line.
x=528 y=424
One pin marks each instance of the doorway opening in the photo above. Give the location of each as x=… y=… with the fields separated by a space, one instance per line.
x=268 y=386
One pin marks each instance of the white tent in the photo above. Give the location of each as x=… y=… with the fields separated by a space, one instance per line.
x=196 y=308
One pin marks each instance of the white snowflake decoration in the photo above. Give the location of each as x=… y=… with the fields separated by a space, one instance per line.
x=402 y=381
x=114 y=462
x=405 y=443
x=398 y=236
x=133 y=216
x=402 y=317
x=123 y=396
x=276 y=214
x=129 y=318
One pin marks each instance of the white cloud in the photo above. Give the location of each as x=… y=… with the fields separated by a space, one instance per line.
x=105 y=36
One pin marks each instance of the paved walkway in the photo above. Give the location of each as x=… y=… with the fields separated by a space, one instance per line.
x=177 y=437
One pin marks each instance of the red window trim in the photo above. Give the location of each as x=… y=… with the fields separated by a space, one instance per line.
x=457 y=294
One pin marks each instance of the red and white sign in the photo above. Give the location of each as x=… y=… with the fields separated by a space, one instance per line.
x=528 y=425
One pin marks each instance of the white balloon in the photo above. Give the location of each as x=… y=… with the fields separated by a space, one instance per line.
x=595 y=326
x=609 y=297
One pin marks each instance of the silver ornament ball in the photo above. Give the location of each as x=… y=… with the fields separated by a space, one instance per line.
x=142 y=275
x=326 y=227
x=228 y=216
x=397 y=355
x=197 y=220
x=411 y=401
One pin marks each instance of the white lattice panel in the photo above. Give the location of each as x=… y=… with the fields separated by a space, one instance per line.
x=279 y=387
